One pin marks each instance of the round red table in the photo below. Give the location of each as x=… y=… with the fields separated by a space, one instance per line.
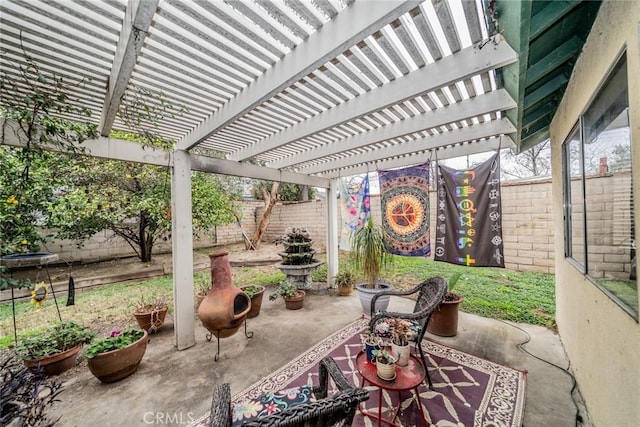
x=407 y=378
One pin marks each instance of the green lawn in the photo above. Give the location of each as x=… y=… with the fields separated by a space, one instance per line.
x=490 y=292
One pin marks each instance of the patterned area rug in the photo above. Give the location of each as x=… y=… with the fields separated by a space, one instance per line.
x=468 y=391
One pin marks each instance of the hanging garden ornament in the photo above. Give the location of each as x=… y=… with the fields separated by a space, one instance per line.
x=39 y=294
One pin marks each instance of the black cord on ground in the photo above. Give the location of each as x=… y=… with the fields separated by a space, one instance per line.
x=566 y=370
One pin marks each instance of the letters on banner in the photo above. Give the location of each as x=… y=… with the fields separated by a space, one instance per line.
x=469 y=215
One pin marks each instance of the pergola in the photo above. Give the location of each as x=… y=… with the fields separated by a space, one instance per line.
x=304 y=92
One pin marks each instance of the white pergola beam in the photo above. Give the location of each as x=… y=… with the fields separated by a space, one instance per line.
x=482 y=130
x=499 y=100
x=137 y=20
x=117 y=149
x=230 y=167
x=449 y=70
x=357 y=21
x=102 y=147
x=493 y=143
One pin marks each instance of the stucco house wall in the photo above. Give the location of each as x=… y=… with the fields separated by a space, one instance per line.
x=601 y=339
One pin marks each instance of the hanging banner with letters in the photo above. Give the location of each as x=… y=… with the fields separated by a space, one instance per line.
x=469 y=215
x=356 y=207
x=405 y=209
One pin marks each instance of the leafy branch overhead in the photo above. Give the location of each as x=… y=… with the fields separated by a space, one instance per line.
x=39 y=111
x=142 y=110
x=42 y=109
x=78 y=196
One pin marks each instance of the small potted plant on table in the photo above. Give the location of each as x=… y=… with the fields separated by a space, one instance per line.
x=385 y=364
x=56 y=349
x=117 y=356
x=400 y=332
x=371 y=342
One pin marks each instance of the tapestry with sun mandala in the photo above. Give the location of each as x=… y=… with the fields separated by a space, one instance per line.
x=405 y=209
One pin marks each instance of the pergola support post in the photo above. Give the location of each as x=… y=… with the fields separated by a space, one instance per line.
x=332 y=232
x=182 y=243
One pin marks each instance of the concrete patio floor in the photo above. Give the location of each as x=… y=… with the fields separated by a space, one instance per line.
x=174 y=387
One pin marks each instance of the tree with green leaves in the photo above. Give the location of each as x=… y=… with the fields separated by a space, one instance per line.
x=133 y=201
x=35 y=105
x=81 y=196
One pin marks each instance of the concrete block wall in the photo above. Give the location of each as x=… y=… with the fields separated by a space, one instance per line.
x=105 y=245
x=527 y=228
x=231 y=233
x=311 y=215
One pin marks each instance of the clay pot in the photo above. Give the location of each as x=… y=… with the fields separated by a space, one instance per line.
x=295 y=302
x=226 y=306
x=151 y=321
x=56 y=363
x=199 y=299
x=345 y=290
x=444 y=320
x=117 y=364
x=256 y=303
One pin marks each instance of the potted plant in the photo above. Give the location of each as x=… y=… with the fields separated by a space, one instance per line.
x=255 y=293
x=56 y=349
x=117 y=356
x=150 y=313
x=292 y=296
x=444 y=321
x=371 y=343
x=345 y=279
x=385 y=364
x=202 y=286
x=400 y=331
x=369 y=253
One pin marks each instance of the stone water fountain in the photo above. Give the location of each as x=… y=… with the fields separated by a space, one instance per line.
x=297 y=259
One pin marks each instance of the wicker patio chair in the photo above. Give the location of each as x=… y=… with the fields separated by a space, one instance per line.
x=430 y=293
x=325 y=410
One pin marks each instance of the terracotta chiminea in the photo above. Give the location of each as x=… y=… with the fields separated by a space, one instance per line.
x=225 y=307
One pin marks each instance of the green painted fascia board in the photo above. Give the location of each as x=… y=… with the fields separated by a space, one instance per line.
x=552 y=61
x=514 y=18
x=552 y=13
x=535 y=139
x=545 y=90
x=531 y=117
x=530 y=129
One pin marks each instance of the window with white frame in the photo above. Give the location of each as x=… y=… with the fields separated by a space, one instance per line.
x=598 y=193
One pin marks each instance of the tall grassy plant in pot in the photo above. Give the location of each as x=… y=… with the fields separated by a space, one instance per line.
x=370 y=255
